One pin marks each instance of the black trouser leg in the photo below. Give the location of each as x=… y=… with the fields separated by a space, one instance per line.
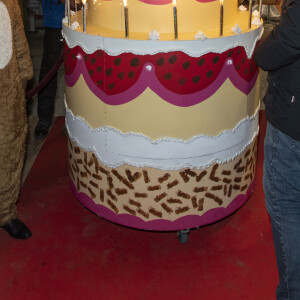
x=52 y=49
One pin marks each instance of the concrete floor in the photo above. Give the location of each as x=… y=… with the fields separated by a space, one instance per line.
x=35 y=40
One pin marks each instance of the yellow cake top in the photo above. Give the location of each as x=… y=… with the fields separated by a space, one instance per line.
x=107 y=18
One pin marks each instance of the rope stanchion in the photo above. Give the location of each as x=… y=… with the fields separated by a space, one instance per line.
x=47 y=78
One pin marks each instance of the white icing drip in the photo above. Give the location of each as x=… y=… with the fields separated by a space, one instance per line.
x=167 y=153
x=193 y=48
x=6 y=45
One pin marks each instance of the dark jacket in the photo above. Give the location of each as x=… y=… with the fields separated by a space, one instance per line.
x=279 y=53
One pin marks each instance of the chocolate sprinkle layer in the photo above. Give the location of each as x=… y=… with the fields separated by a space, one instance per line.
x=152 y=194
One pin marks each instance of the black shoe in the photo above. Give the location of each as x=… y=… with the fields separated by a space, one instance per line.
x=42 y=128
x=17 y=229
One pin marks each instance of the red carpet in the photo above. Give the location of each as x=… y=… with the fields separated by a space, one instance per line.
x=73 y=254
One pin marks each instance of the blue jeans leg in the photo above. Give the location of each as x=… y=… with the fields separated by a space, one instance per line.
x=282 y=192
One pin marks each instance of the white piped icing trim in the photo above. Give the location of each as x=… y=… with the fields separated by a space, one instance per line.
x=74 y=25
x=236 y=29
x=200 y=35
x=6 y=45
x=65 y=20
x=193 y=48
x=242 y=8
x=114 y=148
x=256 y=21
x=154 y=35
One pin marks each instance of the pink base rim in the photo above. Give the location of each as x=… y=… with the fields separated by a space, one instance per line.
x=185 y=222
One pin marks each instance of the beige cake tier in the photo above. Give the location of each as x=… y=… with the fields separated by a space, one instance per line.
x=106 y=18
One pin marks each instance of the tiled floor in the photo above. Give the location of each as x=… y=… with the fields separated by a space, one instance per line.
x=36 y=44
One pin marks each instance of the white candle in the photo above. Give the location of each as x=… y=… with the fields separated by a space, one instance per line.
x=221 y=17
x=175 y=20
x=250 y=12
x=84 y=15
x=126 y=18
x=260 y=9
x=75 y=6
x=69 y=13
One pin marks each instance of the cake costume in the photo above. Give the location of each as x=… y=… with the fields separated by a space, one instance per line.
x=15 y=67
x=162 y=132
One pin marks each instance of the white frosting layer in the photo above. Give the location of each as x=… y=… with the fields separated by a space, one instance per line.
x=6 y=46
x=194 y=48
x=114 y=148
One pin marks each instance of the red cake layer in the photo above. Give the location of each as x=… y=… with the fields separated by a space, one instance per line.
x=176 y=71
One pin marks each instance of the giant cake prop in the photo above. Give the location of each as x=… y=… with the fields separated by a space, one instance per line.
x=162 y=111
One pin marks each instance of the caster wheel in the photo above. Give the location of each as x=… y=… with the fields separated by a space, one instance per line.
x=183 y=236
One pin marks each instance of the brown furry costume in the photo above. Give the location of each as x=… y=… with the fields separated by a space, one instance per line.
x=15 y=67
